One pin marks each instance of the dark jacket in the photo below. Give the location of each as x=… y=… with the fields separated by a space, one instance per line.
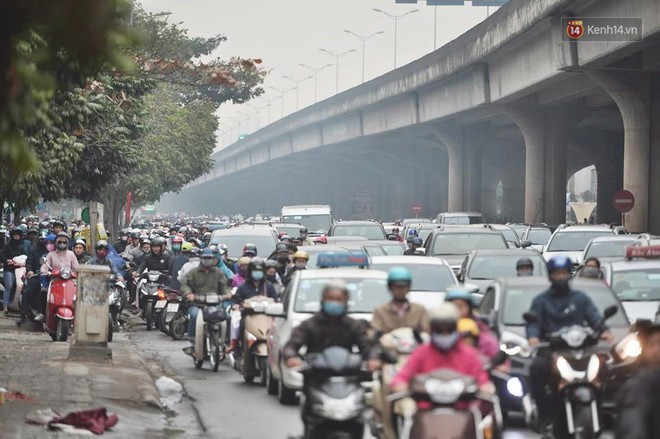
x=175 y=265
x=107 y=262
x=201 y=280
x=286 y=279
x=638 y=407
x=248 y=290
x=152 y=262
x=13 y=249
x=84 y=258
x=322 y=331
x=120 y=246
x=557 y=311
x=33 y=262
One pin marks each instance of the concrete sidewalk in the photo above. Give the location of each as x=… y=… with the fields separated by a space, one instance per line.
x=36 y=366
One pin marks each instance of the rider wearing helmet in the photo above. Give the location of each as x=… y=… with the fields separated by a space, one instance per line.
x=558 y=307
x=487 y=344
x=270 y=266
x=446 y=350
x=250 y=250
x=33 y=300
x=122 y=243
x=300 y=259
x=399 y=313
x=80 y=250
x=177 y=243
x=241 y=274
x=525 y=267
x=303 y=236
x=413 y=245
x=101 y=249
x=395 y=235
x=217 y=253
x=58 y=227
x=157 y=259
x=178 y=260
x=16 y=246
x=282 y=257
x=33 y=236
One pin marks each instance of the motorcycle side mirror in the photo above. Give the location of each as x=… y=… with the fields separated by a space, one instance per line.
x=610 y=311
x=531 y=317
x=275 y=310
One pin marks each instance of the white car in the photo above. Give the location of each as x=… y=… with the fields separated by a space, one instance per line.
x=300 y=301
x=637 y=285
x=571 y=240
x=431 y=277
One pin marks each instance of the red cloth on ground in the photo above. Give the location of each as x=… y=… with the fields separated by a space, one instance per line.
x=95 y=420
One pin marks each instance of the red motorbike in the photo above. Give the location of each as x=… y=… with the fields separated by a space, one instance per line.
x=60 y=307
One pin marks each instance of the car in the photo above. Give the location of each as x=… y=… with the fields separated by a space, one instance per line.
x=431 y=277
x=454 y=243
x=537 y=236
x=265 y=238
x=407 y=221
x=300 y=300
x=503 y=306
x=370 y=230
x=636 y=281
x=391 y=247
x=481 y=267
x=289 y=229
x=571 y=240
x=518 y=228
x=373 y=248
x=510 y=235
x=608 y=248
x=646 y=239
x=313 y=252
x=460 y=218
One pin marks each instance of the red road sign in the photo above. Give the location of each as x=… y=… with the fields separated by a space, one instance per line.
x=417 y=207
x=624 y=201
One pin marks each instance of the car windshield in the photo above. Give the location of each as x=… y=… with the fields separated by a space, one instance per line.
x=292 y=232
x=393 y=249
x=637 y=285
x=509 y=234
x=462 y=220
x=464 y=243
x=235 y=243
x=365 y=294
x=426 y=277
x=494 y=266
x=608 y=249
x=573 y=241
x=374 y=232
x=314 y=223
x=518 y=301
x=539 y=236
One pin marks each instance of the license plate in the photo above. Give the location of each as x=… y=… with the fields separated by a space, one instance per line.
x=161 y=304
x=172 y=307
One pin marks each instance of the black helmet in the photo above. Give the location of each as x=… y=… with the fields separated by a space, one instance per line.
x=281 y=247
x=303 y=230
x=524 y=262
x=158 y=242
x=250 y=249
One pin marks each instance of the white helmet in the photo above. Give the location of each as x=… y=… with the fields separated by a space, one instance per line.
x=445 y=312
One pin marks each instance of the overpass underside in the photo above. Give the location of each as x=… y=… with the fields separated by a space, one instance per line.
x=500 y=135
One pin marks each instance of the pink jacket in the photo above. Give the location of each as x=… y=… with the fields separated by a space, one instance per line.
x=488 y=344
x=58 y=260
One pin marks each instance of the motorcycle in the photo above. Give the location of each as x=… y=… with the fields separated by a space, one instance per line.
x=117 y=300
x=210 y=332
x=254 y=359
x=19 y=285
x=444 y=391
x=172 y=304
x=179 y=324
x=334 y=397
x=397 y=347
x=60 y=309
x=581 y=372
x=148 y=290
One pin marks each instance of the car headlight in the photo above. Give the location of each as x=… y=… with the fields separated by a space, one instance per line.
x=514 y=387
x=629 y=347
x=567 y=372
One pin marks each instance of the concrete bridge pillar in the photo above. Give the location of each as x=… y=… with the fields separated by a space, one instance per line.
x=654 y=174
x=474 y=149
x=632 y=92
x=453 y=139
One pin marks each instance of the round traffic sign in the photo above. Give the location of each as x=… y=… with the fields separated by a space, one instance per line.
x=624 y=201
x=417 y=207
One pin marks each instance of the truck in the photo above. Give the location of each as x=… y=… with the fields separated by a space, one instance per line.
x=317 y=218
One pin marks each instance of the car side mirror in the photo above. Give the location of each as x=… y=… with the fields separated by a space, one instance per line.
x=420 y=251
x=275 y=310
x=472 y=288
x=610 y=311
x=526 y=244
x=531 y=317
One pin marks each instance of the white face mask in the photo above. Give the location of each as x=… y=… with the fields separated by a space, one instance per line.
x=444 y=342
x=301 y=265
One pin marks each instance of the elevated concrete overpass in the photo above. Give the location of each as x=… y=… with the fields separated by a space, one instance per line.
x=496 y=121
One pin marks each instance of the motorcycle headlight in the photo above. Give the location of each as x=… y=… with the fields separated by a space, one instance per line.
x=444 y=392
x=593 y=367
x=514 y=387
x=65 y=273
x=567 y=372
x=153 y=277
x=629 y=347
x=574 y=338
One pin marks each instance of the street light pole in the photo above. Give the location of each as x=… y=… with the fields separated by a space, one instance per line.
x=297 y=82
x=337 y=56
x=396 y=19
x=316 y=71
x=258 y=113
x=364 y=39
x=282 y=93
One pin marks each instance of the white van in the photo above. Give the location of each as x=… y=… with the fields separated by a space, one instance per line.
x=317 y=218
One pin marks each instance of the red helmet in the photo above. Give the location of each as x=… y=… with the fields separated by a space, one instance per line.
x=321 y=240
x=177 y=240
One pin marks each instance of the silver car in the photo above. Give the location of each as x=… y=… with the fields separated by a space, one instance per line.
x=300 y=301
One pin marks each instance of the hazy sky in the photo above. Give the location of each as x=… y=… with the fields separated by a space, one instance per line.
x=286 y=33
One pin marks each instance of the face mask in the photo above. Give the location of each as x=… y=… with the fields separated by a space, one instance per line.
x=560 y=286
x=272 y=278
x=444 y=342
x=50 y=247
x=257 y=275
x=333 y=308
x=61 y=245
x=176 y=247
x=301 y=265
x=207 y=262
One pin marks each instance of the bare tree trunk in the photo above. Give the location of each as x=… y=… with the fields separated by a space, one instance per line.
x=18 y=206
